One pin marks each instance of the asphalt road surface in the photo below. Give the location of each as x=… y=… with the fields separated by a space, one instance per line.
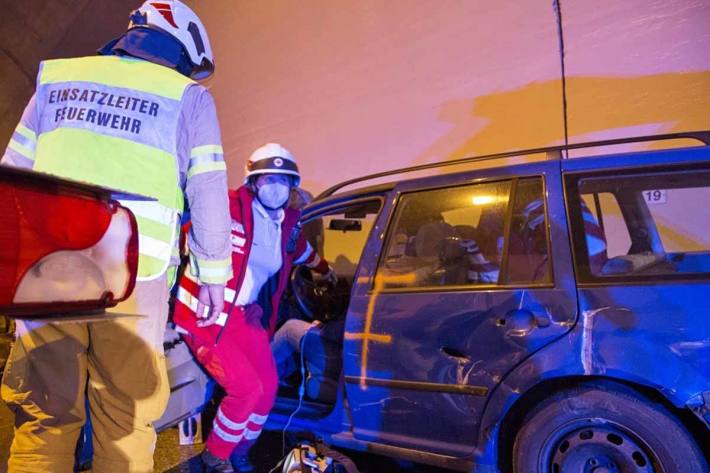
x=170 y=457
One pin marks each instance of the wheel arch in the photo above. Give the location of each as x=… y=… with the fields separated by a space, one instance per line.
x=512 y=421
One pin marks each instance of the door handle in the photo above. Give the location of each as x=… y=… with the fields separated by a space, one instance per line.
x=519 y=322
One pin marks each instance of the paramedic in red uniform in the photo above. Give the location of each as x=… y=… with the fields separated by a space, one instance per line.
x=234 y=346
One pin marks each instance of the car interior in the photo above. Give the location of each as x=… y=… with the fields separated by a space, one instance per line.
x=339 y=236
x=449 y=241
x=631 y=222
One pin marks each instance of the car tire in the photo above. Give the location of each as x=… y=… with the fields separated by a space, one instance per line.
x=604 y=427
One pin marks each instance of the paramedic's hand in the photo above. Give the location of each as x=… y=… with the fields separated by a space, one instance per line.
x=331 y=277
x=210 y=303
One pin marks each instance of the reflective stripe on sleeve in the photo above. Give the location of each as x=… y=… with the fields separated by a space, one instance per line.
x=13 y=158
x=26 y=132
x=206 y=158
x=206 y=149
x=21 y=150
x=316 y=261
x=306 y=254
x=212 y=272
x=206 y=167
x=26 y=139
x=229 y=293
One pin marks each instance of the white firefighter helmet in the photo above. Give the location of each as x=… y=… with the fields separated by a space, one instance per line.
x=272 y=158
x=179 y=21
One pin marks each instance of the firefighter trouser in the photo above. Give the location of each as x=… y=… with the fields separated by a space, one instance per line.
x=119 y=364
x=242 y=363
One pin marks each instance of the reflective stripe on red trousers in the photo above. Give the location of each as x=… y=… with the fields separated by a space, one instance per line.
x=239 y=358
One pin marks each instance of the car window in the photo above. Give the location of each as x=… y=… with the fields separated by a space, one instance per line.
x=681 y=233
x=644 y=225
x=603 y=211
x=455 y=237
x=528 y=245
x=340 y=235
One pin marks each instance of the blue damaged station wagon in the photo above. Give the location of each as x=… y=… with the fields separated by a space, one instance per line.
x=547 y=316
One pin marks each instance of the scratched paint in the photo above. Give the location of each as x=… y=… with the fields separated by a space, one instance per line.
x=366 y=336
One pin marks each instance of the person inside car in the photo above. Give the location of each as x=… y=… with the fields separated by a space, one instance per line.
x=439 y=252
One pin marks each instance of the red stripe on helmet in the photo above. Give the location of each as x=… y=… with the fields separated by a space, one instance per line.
x=166 y=12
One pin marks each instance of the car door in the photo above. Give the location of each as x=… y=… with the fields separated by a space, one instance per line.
x=644 y=281
x=462 y=291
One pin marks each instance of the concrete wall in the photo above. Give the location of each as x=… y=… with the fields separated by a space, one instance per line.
x=359 y=86
x=353 y=87
x=33 y=30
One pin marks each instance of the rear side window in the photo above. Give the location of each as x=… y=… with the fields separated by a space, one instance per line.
x=457 y=237
x=651 y=226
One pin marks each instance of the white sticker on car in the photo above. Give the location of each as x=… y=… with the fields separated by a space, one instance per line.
x=655 y=196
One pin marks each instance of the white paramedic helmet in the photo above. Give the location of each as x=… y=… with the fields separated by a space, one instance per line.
x=178 y=20
x=272 y=158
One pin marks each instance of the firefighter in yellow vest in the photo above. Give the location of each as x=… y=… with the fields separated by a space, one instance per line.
x=132 y=118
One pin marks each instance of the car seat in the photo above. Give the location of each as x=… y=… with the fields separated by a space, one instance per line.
x=440 y=257
x=429 y=237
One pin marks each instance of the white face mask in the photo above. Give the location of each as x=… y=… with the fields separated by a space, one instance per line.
x=274 y=195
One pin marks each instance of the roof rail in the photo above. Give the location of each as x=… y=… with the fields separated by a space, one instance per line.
x=553 y=151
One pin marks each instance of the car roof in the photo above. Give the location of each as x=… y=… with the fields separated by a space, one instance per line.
x=323 y=201
x=493 y=165
x=617 y=161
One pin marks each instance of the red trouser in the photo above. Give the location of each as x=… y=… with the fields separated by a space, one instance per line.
x=242 y=363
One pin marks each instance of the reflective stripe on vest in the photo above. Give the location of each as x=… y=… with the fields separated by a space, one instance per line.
x=112 y=121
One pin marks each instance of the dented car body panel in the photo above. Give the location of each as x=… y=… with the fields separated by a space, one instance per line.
x=458 y=344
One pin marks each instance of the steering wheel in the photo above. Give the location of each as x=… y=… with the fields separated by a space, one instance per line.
x=318 y=300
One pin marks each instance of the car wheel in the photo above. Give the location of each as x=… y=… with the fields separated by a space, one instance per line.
x=604 y=428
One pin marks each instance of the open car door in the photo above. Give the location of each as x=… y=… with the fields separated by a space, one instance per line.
x=65 y=247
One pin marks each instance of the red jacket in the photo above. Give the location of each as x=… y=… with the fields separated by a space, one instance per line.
x=294 y=250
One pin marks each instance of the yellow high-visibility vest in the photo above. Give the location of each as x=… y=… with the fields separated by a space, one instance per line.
x=113 y=121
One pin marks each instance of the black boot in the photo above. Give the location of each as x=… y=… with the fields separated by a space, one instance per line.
x=211 y=463
x=242 y=463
